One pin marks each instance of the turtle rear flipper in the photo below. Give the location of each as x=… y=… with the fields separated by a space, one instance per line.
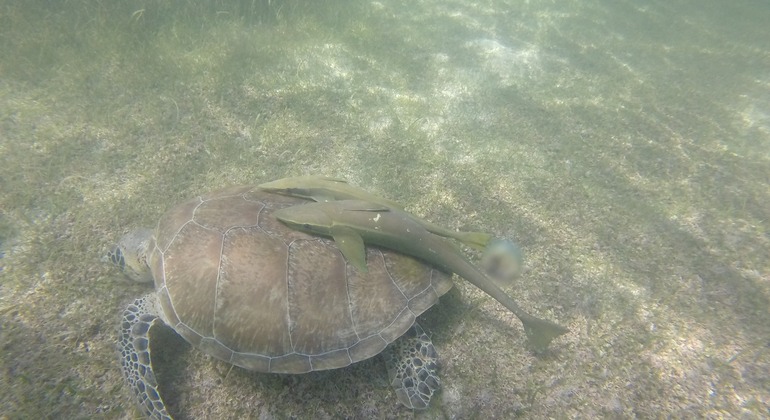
x=413 y=368
x=134 y=348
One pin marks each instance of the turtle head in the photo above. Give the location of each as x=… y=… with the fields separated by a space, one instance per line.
x=130 y=255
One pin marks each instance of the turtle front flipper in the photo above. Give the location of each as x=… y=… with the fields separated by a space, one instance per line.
x=134 y=348
x=413 y=368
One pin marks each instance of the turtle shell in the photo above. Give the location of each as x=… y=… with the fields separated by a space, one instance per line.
x=241 y=286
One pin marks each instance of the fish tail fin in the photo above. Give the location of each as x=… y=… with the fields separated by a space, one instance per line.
x=540 y=332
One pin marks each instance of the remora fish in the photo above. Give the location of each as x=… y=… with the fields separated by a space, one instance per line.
x=352 y=223
x=321 y=189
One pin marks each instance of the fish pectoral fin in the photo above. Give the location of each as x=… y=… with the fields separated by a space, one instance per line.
x=351 y=244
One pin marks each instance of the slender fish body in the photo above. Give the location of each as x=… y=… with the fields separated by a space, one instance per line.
x=321 y=189
x=353 y=223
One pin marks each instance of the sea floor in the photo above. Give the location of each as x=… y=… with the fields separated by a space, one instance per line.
x=625 y=147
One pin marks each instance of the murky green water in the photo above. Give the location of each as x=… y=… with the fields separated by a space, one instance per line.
x=624 y=145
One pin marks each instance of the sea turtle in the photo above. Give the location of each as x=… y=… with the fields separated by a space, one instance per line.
x=241 y=286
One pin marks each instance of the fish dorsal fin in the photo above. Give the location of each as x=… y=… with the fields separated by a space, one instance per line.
x=322 y=197
x=351 y=244
x=328 y=179
x=361 y=205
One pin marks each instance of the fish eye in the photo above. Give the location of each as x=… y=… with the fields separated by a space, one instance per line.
x=307 y=226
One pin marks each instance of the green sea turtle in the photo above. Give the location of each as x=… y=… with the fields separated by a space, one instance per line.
x=241 y=286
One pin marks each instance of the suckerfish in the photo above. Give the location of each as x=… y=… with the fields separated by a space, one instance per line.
x=321 y=189
x=354 y=223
